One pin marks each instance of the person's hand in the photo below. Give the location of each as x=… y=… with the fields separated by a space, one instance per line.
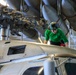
x=66 y=44
x=45 y=42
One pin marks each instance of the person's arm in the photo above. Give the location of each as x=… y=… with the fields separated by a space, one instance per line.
x=64 y=38
x=46 y=36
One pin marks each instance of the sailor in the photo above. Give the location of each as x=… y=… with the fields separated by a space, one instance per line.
x=55 y=35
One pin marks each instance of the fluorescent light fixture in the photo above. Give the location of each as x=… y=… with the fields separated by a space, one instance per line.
x=3 y=2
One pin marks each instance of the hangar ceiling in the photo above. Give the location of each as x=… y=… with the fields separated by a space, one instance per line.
x=30 y=15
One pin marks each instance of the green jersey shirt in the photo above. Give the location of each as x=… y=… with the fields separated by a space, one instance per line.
x=57 y=37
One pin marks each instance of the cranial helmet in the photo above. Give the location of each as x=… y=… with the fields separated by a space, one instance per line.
x=53 y=26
